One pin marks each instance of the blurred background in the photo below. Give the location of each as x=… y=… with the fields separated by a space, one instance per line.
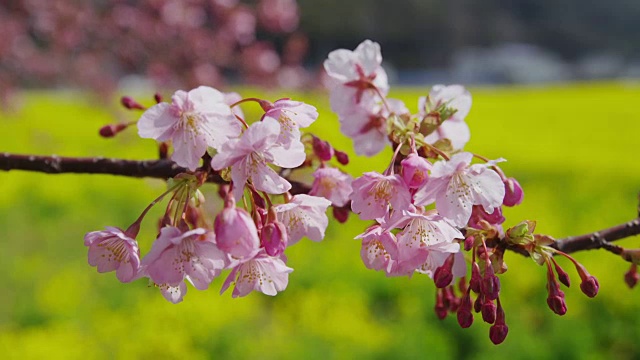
x=554 y=86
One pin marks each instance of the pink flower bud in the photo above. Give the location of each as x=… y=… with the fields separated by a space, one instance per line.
x=322 y=149
x=468 y=242
x=513 y=194
x=415 y=170
x=236 y=233
x=342 y=157
x=274 y=238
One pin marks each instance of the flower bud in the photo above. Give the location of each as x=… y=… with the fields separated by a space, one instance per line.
x=322 y=149
x=488 y=311
x=342 y=157
x=590 y=286
x=477 y=305
x=440 y=308
x=236 y=233
x=341 y=214
x=468 y=242
x=157 y=97
x=274 y=238
x=465 y=316
x=513 y=194
x=557 y=304
x=112 y=130
x=498 y=331
x=562 y=275
x=415 y=170
x=474 y=283
x=131 y=104
x=490 y=284
x=443 y=276
x=631 y=277
x=555 y=300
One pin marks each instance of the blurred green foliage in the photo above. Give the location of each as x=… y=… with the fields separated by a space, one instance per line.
x=573 y=148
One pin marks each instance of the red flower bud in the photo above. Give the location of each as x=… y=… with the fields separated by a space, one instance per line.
x=131 y=104
x=112 y=130
x=631 y=277
x=440 y=308
x=322 y=149
x=341 y=214
x=590 y=286
x=474 y=283
x=498 y=331
x=443 y=276
x=562 y=275
x=488 y=311
x=465 y=316
x=342 y=157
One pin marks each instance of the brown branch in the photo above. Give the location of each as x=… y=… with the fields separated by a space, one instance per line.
x=600 y=239
x=164 y=169
x=160 y=169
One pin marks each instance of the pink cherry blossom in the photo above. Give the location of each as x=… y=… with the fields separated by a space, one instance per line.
x=378 y=248
x=367 y=125
x=193 y=121
x=354 y=75
x=304 y=215
x=176 y=255
x=173 y=293
x=332 y=184
x=236 y=233
x=266 y=274
x=114 y=250
x=249 y=156
x=424 y=235
x=292 y=115
x=373 y=193
x=456 y=186
x=455 y=128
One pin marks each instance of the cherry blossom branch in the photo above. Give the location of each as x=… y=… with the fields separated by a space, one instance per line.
x=164 y=169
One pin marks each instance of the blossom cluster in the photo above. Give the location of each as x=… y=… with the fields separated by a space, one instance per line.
x=436 y=209
x=209 y=134
x=432 y=202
